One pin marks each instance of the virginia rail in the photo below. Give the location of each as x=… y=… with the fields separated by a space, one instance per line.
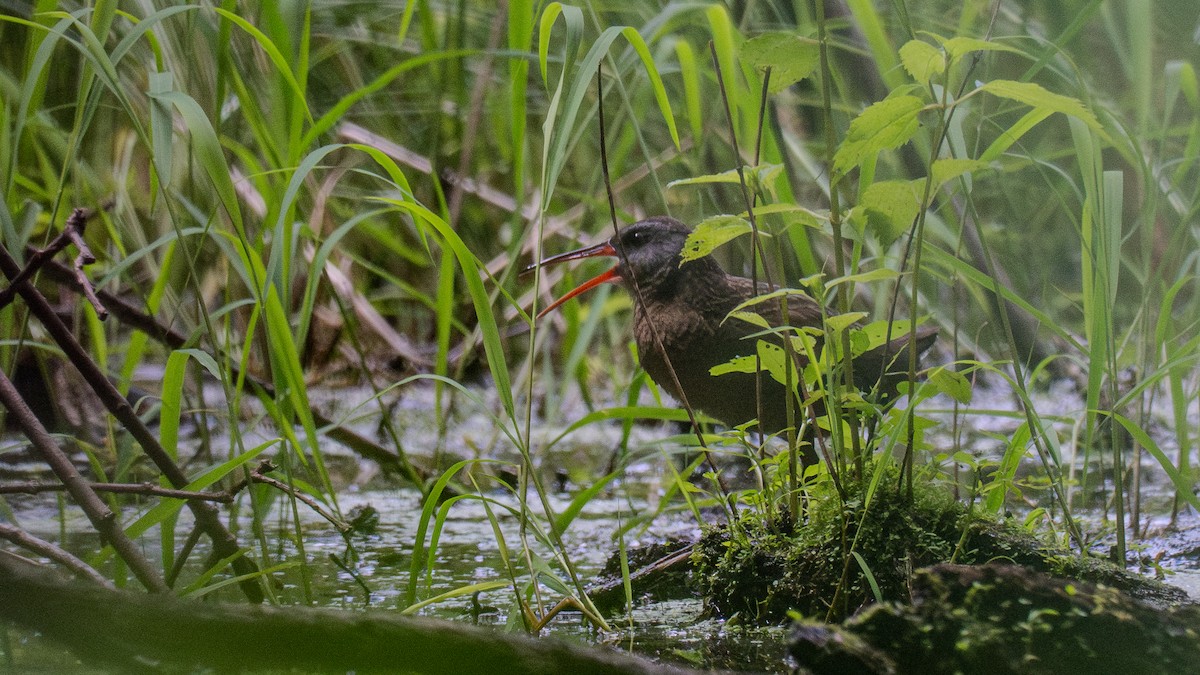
x=688 y=306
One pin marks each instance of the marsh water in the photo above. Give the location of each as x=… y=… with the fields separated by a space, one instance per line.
x=372 y=569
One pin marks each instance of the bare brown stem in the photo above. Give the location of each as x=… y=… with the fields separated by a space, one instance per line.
x=144 y=489
x=72 y=234
x=207 y=518
x=101 y=517
x=46 y=549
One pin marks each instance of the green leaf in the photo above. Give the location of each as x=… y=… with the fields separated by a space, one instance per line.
x=1035 y=96
x=761 y=179
x=866 y=570
x=689 y=72
x=1183 y=483
x=1188 y=84
x=752 y=318
x=168 y=506
x=560 y=128
x=766 y=297
x=790 y=57
x=775 y=362
x=470 y=589
x=711 y=233
x=493 y=346
x=282 y=64
x=738 y=364
x=622 y=413
x=952 y=383
x=878 y=274
x=877 y=332
x=961 y=46
x=730 y=176
x=573 y=18
x=885 y=125
x=922 y=60
x=762 y=175
x=796 y=214
x=563 y=520
x=162 y=128
x=771 y=357
x=948 y=169
x=892 y=205
x=840 y=322
x=206 y=148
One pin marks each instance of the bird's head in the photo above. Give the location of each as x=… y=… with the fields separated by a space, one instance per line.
x=647 y=254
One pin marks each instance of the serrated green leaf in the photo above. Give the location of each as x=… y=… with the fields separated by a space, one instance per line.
x=840 y=322
x=765 y=297
x=790 y=57
x=771 y=357
x=799 y=214
x=892 y=205
x=878 y=274
x=948 y=169
x=961 y=46
x=922 y=60
x=761 y=179
x=877 y=332
x=750 y=317
x=730 y=176
x=739 y=364
x=885 y=125
x=860 y=342
x=951 y=383
x=711 y=233
x=857 y=218
x=1036 y=96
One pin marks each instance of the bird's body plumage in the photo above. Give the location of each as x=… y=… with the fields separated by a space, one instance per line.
x=685 y=309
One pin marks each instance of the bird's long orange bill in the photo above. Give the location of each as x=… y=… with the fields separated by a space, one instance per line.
x=609 y=277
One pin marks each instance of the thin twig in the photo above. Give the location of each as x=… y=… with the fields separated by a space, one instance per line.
x=85 y=258
x=101 y=517
x=134 y=317
x=72 y=234
x=144 y=489
x=224 y=542
x=258 y=476
x=46 y=549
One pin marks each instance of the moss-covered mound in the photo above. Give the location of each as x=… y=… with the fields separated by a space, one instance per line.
x=847 y=551
x=1004 y=619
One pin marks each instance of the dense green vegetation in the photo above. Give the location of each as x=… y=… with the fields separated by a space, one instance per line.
x=340 y=190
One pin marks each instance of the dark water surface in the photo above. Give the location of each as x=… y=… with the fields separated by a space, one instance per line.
x=468 y=552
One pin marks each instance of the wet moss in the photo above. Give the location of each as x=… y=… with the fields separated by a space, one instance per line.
x=1004 y=618
x=759 y=569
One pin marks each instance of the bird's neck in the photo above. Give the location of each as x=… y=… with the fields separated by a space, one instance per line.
x=699 y=285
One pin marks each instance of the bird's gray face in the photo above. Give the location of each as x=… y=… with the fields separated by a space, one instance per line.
x=648 y=250
x=647 y=254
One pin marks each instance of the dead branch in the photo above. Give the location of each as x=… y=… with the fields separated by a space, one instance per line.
x=46 y=549
x=101 y=517
x=134 y=317
x=258 y=476
x=72 y=234
x=144 y=489
x=207 y=517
